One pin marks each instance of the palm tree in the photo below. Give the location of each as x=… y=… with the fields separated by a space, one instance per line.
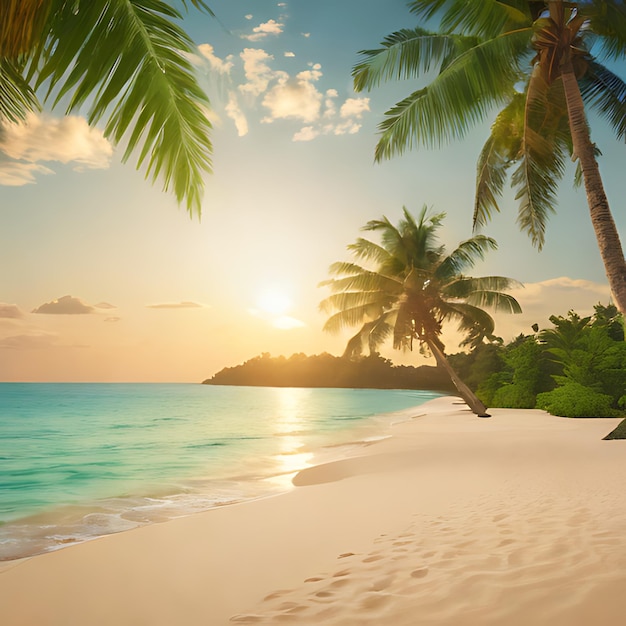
x=533 y=59
x=412 y=288
x=127 y=61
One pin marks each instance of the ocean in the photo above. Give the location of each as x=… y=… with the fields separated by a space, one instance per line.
x=82 y=460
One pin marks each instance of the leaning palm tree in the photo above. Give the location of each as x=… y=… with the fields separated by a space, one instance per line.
x=539 y=62
x=412 y=288
x=127 y=61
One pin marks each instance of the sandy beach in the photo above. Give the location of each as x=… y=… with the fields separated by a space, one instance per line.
x=453 y=520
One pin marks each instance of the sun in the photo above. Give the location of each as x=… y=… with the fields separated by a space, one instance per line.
x=274 y=301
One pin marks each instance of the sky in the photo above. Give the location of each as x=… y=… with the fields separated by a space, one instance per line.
x=103 y=277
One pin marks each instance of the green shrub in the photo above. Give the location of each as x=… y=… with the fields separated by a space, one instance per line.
x=574 y=400
x=515 y=396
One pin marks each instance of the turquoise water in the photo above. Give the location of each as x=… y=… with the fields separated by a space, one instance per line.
x=81 y=460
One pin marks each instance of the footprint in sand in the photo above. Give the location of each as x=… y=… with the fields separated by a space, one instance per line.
x=419 y=573
x=373 y=558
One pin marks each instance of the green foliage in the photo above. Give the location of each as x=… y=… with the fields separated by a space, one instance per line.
x=575 y=400
x=577 y=366
x=523 y=365
x=487 y=55
x=128 y=63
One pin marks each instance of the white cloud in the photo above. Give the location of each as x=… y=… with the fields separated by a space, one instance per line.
x=295 y=98
x=271 y=27
x=16 y=174
x=223 y=66
x=290 y=54
x=44 y=138
x=10 y=311
x=235 y=113
x=257 y=71
x=249 y=16
x=346 y=128
x=354 y=107
x=66 y=305
x=306 y=133
x=306 y=35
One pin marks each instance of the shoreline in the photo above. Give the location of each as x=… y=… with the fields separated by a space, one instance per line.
x=516 y=519
x=220 y=472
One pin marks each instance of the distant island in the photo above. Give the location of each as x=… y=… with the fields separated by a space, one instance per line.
x=326 y=370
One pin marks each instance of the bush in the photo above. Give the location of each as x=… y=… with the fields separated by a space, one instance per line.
x=515 y=396
x=574 y=400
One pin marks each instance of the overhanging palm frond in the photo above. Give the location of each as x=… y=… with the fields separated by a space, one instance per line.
x=459 y=97
x=485 y=18
x=22 y=23
x=17 y=99
x=499 y=152
x=544 y=150
x=406 y=53
x=608 y=19
x=605 y=93
x=135 y=72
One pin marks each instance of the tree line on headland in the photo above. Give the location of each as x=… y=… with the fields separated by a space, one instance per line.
x=577 y=368
x=326 y=370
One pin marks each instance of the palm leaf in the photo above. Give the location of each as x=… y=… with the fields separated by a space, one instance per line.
x=543 y=153
x=459 y=97
x=485 y=18
x=465 y=256
x=407 y=53
x=499 y=152
x=605 y=93
x=134 y=71
x=16 y=96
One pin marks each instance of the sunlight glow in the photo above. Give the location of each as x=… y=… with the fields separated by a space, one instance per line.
x=274 y=301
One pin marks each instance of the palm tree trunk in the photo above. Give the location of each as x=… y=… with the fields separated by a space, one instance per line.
x=470 y=398
x=601 y=218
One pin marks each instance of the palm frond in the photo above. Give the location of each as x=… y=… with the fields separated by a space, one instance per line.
x=605 y=92
x=463 y=286
x=465 y=256
x=486 y=18
x=495 y=300
x=471 y=319
x=407 y=53
x=16 y=96
x=369 y=251
x=129 y=58
x=499 y=152
x=458 y=98
x=542 y=157
x=608 y=20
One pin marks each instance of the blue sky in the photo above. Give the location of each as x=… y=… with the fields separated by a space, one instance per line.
x=104 y=277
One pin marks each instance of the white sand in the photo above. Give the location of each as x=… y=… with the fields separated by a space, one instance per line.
x=514 y=520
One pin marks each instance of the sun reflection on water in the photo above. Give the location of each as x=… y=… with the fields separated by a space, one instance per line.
x=290 y=423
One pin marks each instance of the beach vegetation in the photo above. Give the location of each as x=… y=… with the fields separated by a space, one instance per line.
x=536 y=67
x=576 y=368
x=407 y=286
x=128 y=63
x=571 y=399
